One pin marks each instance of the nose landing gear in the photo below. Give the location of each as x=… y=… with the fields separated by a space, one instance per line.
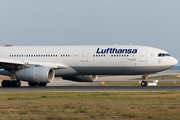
x=143 y=82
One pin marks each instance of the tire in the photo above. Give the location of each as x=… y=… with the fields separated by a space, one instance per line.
x=15 y=83
x=6 y=83
x=18 y=83
x=42 y=84
x=144 y=83
x=32 y=84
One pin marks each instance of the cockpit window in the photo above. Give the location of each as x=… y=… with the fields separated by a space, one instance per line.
x=159 y=55
x=163 y=54
x=167 y=54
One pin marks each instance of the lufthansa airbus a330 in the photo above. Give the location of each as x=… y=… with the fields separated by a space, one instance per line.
x=38 y=65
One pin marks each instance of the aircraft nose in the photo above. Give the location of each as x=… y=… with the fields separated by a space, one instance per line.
x=174 y=61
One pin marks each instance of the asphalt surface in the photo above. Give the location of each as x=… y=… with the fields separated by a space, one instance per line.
x=90 y=89
x=59 y=85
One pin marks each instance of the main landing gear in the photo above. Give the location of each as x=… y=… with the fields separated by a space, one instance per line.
x=143 y=82
x=35 y=84
x=9 y=83
x=17 y=83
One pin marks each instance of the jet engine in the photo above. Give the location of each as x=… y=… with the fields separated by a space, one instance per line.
x=36 y=74
x=81 y=78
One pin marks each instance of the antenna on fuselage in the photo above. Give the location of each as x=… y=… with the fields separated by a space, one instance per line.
x=8 y=45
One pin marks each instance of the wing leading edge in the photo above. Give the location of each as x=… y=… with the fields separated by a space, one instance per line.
x=9 y=65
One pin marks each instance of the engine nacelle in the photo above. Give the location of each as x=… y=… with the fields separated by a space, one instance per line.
x=36 y=74
x=81 y=78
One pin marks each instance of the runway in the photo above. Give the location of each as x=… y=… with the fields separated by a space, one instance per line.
x=59 y=85
x=90 y=89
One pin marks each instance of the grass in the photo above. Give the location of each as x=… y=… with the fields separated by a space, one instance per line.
x=90 y=105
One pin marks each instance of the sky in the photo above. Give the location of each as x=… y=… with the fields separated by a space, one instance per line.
x=154 y=23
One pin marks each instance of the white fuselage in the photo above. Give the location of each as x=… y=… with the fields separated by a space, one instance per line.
x=92 y=60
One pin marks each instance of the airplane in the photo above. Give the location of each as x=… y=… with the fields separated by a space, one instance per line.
x=38 y=65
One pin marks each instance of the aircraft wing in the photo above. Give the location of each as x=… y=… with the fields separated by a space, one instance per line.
x=9 y=64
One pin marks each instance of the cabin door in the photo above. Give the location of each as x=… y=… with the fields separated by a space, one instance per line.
x=143 y=56
x=84 y=57
x=1 y=54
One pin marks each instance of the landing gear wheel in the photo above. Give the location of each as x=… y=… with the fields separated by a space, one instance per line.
x=32 y=84
x=18 y=83
x=144 y=83
x=6 y=83
x=42 y=84
x=15 y=83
